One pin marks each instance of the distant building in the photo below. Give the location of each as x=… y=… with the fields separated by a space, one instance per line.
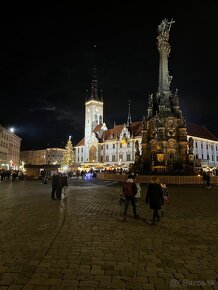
x=43 y=156
x=205 y=145
x=9 y=149
x=161 y=139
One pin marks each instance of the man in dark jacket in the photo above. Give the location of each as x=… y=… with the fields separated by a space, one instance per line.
x=129 y=192
x=155 y=197
x=55 y=186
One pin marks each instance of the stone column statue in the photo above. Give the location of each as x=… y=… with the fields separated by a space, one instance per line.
x=164 y=49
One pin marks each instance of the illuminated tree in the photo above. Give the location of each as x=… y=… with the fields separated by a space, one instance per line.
x=68 y=154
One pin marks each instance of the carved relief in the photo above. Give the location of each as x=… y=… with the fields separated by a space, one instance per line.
x=171 y=125
x=153 y=146
x=171 y=144
x=153 y=128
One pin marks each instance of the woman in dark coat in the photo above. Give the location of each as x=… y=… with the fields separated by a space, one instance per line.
x=155 y=197
x=55 y=185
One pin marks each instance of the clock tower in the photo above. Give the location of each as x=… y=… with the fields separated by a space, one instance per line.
x=93 y=113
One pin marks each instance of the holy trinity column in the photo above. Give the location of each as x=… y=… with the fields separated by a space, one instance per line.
x=164 y=134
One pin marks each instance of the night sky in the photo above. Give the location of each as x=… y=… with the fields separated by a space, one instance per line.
x=47 y=54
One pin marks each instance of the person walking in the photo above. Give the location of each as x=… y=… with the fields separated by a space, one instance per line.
x=129 y=192
x=206 y=178
x=55 y=186
x=154 y=197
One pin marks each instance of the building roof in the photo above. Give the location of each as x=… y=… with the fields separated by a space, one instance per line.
x=136 y=128
x=81 y=143
x=112 y=133
x=97 y=128
x=47 y=166
x=194 y=130
x=200 y=131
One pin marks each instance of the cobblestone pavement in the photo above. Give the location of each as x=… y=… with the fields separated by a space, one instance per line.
x=81 y=243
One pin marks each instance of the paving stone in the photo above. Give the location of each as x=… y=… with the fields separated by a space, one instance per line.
x=81 y=244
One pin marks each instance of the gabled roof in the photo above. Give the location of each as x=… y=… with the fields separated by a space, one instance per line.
x=112 y=133
x=98 y=128
x=136 y=128
x=200 y=131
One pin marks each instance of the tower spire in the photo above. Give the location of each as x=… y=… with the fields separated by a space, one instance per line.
x=129 y=119
x=94 y=84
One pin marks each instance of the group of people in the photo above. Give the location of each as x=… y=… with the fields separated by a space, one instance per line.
x=157 y=195
x=13 y=175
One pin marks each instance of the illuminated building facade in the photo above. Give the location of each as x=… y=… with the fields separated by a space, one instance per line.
x=9 y=149
x=43 y=156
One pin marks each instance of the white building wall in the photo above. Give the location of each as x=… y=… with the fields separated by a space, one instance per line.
x=9 y=149
x=206 y=151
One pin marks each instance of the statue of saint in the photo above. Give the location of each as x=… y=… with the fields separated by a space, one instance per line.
x=137 y=148
x=190 y=145
x=165 y=26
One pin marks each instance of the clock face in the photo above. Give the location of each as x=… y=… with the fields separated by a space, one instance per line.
x=97 y=109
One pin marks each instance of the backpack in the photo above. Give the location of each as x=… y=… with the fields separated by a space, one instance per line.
x=128 y=189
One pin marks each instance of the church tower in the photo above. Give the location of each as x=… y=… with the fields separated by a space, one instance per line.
x=129 y=118
x=164 y=134
x=93 y=113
